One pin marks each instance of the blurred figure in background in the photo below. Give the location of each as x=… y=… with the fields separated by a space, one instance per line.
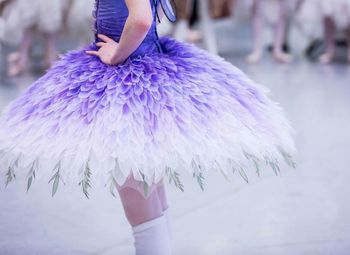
x=21 y=18
x=204 y=11
x=2 y=23
x=331 y=15
x=221 y=8
x=336 y=16
x=218 y=9
x=79 y=20
x=182 y=30
x=277 y=12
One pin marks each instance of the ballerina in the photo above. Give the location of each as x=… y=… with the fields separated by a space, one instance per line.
x=333 y=17
x=132 y=109
x=283 y=9
x=20 y=20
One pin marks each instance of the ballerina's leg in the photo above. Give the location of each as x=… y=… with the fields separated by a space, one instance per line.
x=348 y=42
x=256 y=23
x=329 y=37
x=165 y=207
x=280 y=34
x=18 y=61
x=162 y=196
x=207 y=27
x=145 y=215
x=50 y=49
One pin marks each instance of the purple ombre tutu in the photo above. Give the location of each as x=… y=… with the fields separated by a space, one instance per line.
x=170 y=108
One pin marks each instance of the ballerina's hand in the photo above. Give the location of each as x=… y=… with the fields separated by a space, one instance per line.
x=107 y=52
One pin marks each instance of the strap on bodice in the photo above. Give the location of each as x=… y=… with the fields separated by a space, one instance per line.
x=155 y=20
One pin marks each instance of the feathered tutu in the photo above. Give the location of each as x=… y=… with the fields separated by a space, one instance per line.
x=183 y=110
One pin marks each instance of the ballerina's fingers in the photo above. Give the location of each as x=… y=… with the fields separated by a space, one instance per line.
x=100 y=44
x=105 y=38
x=93 y=53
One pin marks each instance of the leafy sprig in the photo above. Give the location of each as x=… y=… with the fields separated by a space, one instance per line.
x=56 y=178
x=85 y=183
x=174 y=177
x=31 y=174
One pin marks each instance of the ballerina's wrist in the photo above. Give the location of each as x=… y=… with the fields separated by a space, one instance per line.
x=118 y=58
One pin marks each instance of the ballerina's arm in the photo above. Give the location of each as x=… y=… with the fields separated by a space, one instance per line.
x=135 y=30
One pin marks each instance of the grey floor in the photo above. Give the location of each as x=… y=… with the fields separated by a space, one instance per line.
x=302 y=212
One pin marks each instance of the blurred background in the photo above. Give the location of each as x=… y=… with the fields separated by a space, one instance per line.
x=298 y=49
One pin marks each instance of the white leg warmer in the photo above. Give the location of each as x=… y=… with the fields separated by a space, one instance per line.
x=169 y=222
x=152 y=237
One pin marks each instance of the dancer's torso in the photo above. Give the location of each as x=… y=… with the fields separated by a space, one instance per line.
x=111 y=16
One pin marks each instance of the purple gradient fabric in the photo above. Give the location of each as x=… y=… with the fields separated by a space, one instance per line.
x=170 y=108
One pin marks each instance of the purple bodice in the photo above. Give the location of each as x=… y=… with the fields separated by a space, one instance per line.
x=111 y=16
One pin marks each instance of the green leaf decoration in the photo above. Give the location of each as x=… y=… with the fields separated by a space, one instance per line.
x=221 y=171
x=169 y=173
x=200 y=179
x=275 y=167
x=198 y=173
x=31 y=175
x=145 y=184
x=177 y=182
x=233 y=170
x=288 y=159
x=85 y=183
x=29 y=183
x=243 y=174
x=194 y=166
x=11 y=172
x=10 y=176
x=247 y=155
x=55 y=185
x=255 y=161
x=114 y=184
x=112 y=187
x=256 y=164
x=56 y=179
x=223 y=174
x=267 y=161
x=174 y=177
x=145 y=188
